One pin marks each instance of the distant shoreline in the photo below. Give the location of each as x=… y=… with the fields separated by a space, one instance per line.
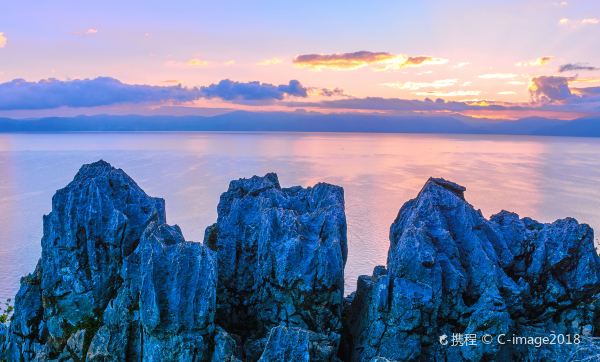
x=280 y=122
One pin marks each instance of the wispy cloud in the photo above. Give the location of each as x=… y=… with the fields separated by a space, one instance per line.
x=536 y=62
x=87 y=32
x=270 y=61
x=190 y=63
x=572 y=67
x=577 y=22
x=505 y=93
x=497 y=76
x=199 y=63
x=436 y=84
x=451 y=94
x=361 y=59
x=3 y=40
x=460 y=65
x=196 y=62
x=590 y=21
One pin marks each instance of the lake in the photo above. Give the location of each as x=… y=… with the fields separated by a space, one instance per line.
x=545 y=178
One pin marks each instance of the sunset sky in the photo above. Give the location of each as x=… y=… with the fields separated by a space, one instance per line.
x=504 y=59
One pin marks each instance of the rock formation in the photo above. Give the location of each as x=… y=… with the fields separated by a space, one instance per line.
x=116 y=283
x=281 y=256
x=450 y=270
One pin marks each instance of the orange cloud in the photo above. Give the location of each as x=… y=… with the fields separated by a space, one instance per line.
x=536 y=62
x=349 y=61
x=271 y=61
x=458 y=93
x=191 y=63
x=436 y=84
x=3 y=40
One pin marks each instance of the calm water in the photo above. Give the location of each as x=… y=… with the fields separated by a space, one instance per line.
x=545 y=178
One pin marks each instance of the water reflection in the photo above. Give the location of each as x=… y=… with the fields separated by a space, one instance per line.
x=546 y=178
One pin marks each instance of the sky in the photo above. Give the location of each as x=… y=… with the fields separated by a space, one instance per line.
x=496 y=59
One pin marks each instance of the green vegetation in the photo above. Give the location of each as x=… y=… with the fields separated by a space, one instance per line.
x=6 y=311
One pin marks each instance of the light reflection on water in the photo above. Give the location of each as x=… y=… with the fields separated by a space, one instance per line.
x=545 y=178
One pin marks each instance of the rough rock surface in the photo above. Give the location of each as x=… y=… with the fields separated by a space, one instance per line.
x=281 y=256
x=450 y=270
x=114 y=281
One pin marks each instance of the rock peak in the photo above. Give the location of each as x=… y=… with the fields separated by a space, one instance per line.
x=455 y=188
x=94 y=169
x=254 y=184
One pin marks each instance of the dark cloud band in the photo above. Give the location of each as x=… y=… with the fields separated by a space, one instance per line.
x=20 y=94
x=253 y=91
x=52 y=93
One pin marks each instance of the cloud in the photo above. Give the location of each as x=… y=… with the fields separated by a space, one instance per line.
x=3 y=40
x=507 y=93
x=570 y=67
x=198 y=63
x=360 y=59
x=253 y=91
x=87 y=32
x=441 y=83
x=195 y=62
x=271 y=61
x=327 y=92
x=461 y=65
x=422 y=60
x=548 y=89
x=20 y=94
x=535 y=62
x=590 y=21
x=457 y=93
x=573 y=22
x=497 y=76
x=52 y=93
x=403 y=105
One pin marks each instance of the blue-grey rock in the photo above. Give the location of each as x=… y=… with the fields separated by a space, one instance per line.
x=281 y=256
x=450 y=270
x=287 y=344
x=297 y=344
x=115 y=282
x=227 y=348
x=177 y=297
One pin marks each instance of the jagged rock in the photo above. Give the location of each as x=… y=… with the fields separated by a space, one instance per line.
x=177 y=296
x=227 y=347
x=281 y=256
x=297 y=344
x=75 y=345
x=286 y=344
x=114 y=282
x=450 y=271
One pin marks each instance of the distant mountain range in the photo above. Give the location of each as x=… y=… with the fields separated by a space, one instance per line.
x=305 y=122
